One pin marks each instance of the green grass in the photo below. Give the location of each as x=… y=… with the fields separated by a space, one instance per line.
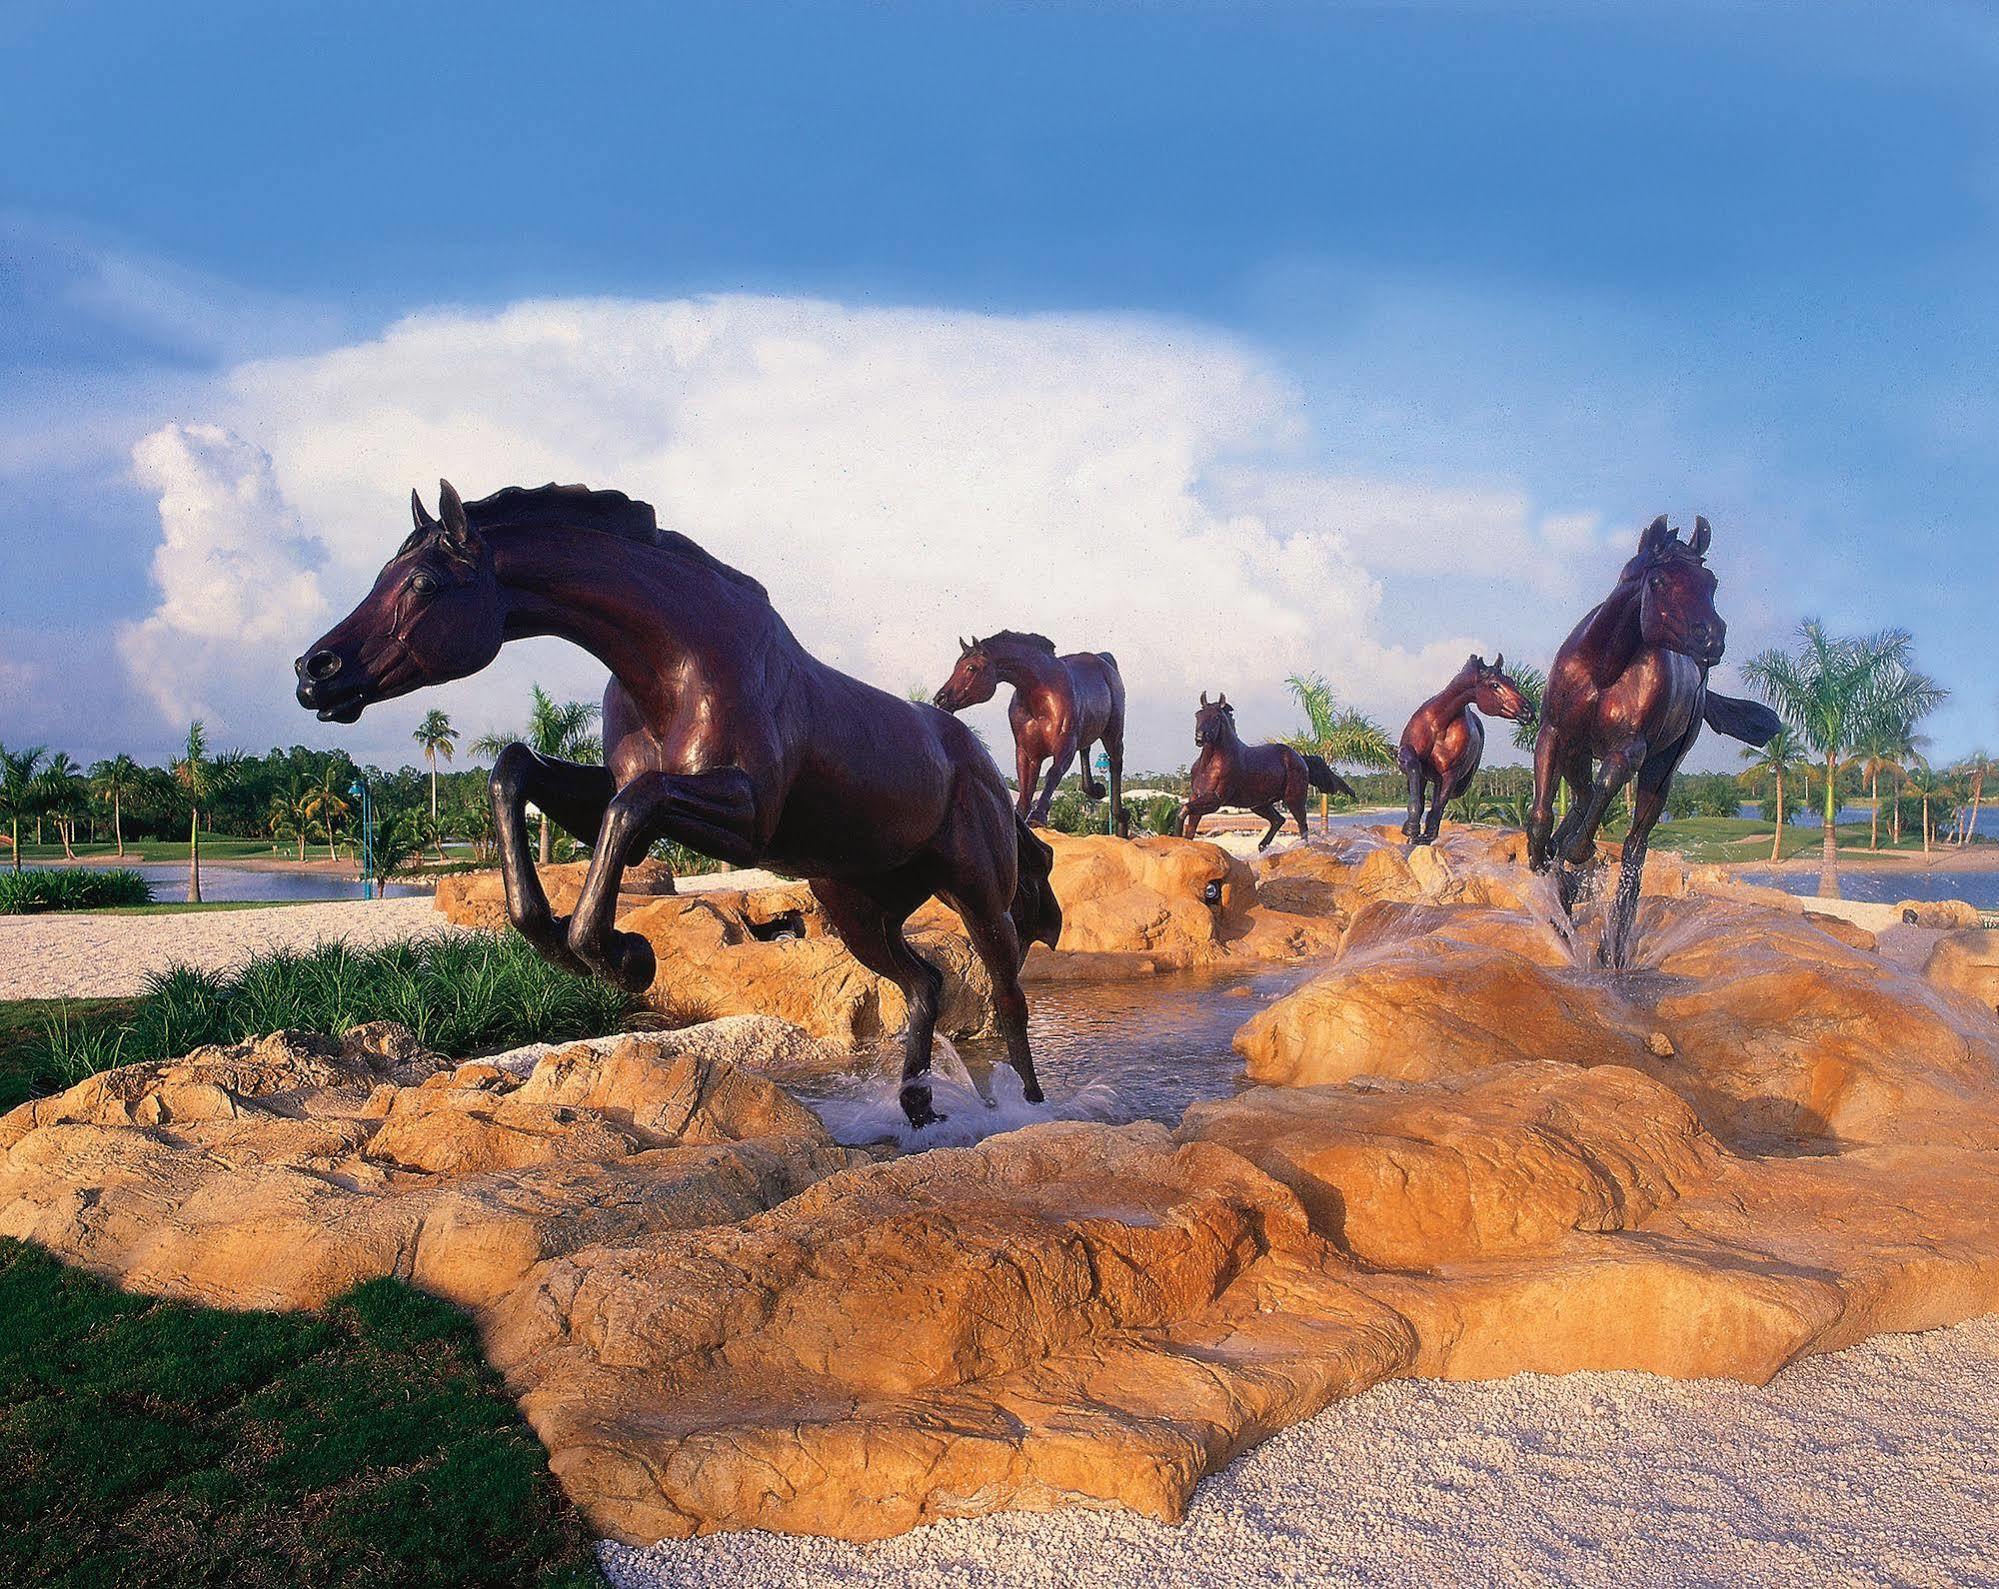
x=214 y=847
x=148 y=1444
x=178 y=907
x=460 y=994
x=27 y=1067
x=1746 y=839
x=72 y=888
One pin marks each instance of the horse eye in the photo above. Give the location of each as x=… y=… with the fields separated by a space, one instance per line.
x=423 y=585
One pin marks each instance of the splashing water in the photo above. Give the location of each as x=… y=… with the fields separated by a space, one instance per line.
x=1118 y=1051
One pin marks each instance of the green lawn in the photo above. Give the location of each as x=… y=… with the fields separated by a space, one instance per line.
x=147 y=1443
x=214 y=847
x=180 y=907
x=1737 y=839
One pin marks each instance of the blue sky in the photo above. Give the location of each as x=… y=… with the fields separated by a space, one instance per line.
x=1559 y=262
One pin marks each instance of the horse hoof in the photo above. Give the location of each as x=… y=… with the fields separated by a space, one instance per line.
x=916 y=1106
x=1033 y=1094
x=633 y=962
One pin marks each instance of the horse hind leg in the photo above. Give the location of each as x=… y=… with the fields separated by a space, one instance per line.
x=997 y=944
x=1412 y=825
x=869 y=922
x=1269 y=812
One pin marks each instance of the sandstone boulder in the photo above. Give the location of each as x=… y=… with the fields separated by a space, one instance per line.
x=278 y=1174
x=1967 y=963
x=1069 y=1314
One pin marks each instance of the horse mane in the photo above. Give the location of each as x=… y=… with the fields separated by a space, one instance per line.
x=1023 y=637
x=577 y=507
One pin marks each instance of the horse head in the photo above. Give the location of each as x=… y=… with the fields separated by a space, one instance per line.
x=1495 y=693
x=973 y=680
x=433 y=615
x=1214 y=723
x=1676 y=593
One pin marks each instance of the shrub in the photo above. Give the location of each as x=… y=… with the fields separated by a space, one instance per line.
x=460 y=994
x=1161 y=814
x=78 y=888
x=1070 y=812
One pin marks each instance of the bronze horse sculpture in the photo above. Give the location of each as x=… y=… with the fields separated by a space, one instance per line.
x=720 y=732
x=1255 y=777
x=1061 y=706
x=1626 y=698
x=1445 y=741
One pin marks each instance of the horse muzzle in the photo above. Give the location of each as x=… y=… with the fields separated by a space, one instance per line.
x=327 y=686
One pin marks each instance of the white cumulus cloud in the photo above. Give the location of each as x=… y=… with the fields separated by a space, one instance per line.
x=896 y=477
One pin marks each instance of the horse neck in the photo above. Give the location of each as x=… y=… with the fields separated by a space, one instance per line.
x=1453 y=699
x=638 y=609
x=1226 y=738
x=1611 y=634
x=1027 y=668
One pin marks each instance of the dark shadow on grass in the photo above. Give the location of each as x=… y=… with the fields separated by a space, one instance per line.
x=148 y=1443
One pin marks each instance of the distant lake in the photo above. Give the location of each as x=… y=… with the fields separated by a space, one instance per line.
x=1888 y=887
x=221 y=882
x=1988 y=819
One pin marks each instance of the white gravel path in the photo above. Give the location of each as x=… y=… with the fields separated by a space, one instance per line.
x=88 y=956
x=1876 y=1466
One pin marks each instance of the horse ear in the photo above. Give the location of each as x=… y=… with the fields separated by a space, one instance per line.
x=452 y=512
x=1499 y=663
x=1655 y=538
x=1703 y=534
x=420 y=514
x=1222 y=699
x=1204 y=697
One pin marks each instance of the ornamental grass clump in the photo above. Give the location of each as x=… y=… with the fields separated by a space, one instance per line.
x=29 y=893
x=459 y=994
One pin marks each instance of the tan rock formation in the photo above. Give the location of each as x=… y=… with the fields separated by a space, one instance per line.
x=1968 y=963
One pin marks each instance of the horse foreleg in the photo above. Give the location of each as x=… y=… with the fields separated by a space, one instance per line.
x=869 y=921
x=1612 y=774
x=1648 y=804
x=1541 y=819
x=1412 y=825
x=1027 y=772
x=1191 y=814
x=712 y=812
x=1058 y=769
x=574 y=796
x=1433 y=824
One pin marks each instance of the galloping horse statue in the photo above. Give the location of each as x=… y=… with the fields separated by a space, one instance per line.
x=1255 y=777
x=1060 y=707
x=1445 y=741
x=720 y=732
x=1628 y=693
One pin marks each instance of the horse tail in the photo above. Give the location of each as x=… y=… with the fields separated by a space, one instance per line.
x=1747 y=721
x=1321 y=776
x=1036 y=912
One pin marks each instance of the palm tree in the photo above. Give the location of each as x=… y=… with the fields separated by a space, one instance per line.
x=561 y=729
x=1874 y=755
x=1533 y=684
x=114 y=782
x=1930 y=785
x=200 y=778
x=61 y=793
x=1836 y=692
x=291 y=814
x=1975 y=769
x=437 y=737
x=1344 y=735
x=326 y=804
x=18 y=794
x=1781 y=758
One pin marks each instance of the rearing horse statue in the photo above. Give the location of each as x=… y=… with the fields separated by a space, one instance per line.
x=1255 y=777
x=720 y=732
x=1445 y=742
x=1060 y=707
x=1625 y=700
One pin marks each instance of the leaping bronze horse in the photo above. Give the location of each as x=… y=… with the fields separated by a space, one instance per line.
x=1256 y=777
x=720 y=732
x=1445 y=741
x=1061 y=706
x=1626 y=699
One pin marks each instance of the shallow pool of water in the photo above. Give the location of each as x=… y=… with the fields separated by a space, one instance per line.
x=1113 y=1051
x=222 y=883
x=1886 y=887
